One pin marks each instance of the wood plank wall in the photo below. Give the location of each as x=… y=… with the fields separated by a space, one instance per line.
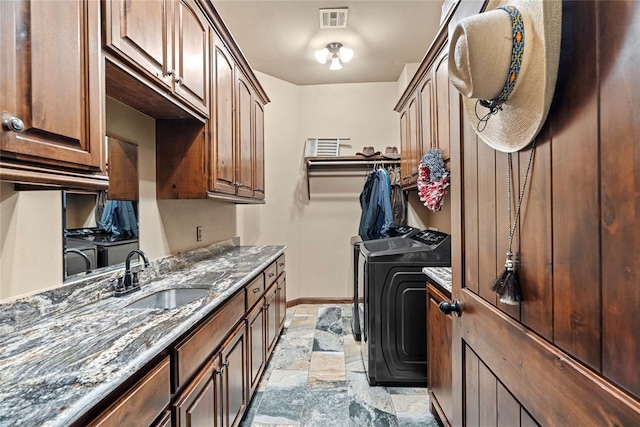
x=579 y=242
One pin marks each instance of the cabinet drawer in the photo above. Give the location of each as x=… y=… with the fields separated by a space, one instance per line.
x=280 y=265
x=143 y=403
x=197 y=347
x=270 y=275
x=254 y=291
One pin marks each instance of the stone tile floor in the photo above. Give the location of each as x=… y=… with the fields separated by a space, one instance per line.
x=316 y=378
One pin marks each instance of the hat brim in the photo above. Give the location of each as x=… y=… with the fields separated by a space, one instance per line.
x=377 y=153
x=391 y=156
x=525 y=112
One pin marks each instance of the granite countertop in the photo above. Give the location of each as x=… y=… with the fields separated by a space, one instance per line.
x=65 y=350
x=441 y=276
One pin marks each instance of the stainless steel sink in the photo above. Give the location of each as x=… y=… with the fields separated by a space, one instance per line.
x=169 y=298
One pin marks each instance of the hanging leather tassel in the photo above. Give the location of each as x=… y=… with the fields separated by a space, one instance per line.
x=507 y=286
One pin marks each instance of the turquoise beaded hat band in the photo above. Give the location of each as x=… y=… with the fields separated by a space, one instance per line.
x=507 y=88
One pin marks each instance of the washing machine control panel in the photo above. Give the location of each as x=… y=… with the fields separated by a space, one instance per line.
x=430 y=237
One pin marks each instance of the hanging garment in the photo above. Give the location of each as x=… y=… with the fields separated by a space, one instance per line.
x=119 y=218
x=385 y=213
x=369 y=209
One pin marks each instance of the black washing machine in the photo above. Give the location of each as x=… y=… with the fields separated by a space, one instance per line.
x=402 y=231
x=394 y=325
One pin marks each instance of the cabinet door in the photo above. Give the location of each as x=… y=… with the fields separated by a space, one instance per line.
x=200 y=402
x=405 y=149
x=258 y=159
x=256 y=353
x=222 y=138
x=140 y=31
x=244 y=155
x=442 y=86
x=234 y=373
x=191 y=55
x=272 y=323
x=439 y=356
x=281 y=301
x=415 y=147
x=50 y=81
x=426 y=114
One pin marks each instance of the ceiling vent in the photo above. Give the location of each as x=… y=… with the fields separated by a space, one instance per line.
x=333 y=18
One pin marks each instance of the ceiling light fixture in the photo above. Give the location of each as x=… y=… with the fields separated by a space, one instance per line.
x=338 y=54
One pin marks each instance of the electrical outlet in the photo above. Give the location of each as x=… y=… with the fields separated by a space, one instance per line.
x=199 y=233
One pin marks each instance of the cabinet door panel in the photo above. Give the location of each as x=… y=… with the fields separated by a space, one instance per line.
x=140 y=31
x=235 y=377
x=244 y=157
x=222 y=121
x=415 y=148
x=255 y=327
x=426 y=111
x=439 y=343
x=272 y=319
x=258 y=132
x=281 y=301
x=442 y=87
x=405 y=149
x=191 y=55
x=199 y=404
x=50 y=79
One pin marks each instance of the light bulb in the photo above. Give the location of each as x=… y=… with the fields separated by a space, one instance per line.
x=335 y=63
x=346 y=54
x=321 y=55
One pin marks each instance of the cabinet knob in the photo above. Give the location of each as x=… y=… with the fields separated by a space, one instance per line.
x=170 y=73
x=179 y=80
x=447 y=308
x=226 y=363
x=13 y=124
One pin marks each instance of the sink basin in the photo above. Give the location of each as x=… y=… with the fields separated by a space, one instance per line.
x=169 y=298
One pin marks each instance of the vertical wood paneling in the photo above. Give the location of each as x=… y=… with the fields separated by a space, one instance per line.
x=470 y=202
x=486 y=221
x=575 y=184
x=534 y=268
x=620 y=191
x=488 y=396
x=508 y=408
x=471 y=388
x=502 y=219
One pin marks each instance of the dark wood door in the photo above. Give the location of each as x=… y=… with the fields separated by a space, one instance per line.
x=191 y=55
x=50 y=81
x=199 y=404
x=234 y=373
x=258 y=159
x=439 y=355
x=140 y=31
x=569 y=353
x=222 y=120
x=257 y=352
x=244 y=154
x=122 y=167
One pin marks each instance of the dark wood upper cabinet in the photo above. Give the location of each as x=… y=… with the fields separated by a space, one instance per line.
x=51 y=104
x=258 y=156
x=244 y=153
x=122 y=165
x=221 y=123
x=441 y=105
x=191 y=55
x=167 y=43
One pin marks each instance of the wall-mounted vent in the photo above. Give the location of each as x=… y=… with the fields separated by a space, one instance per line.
x=333 y=18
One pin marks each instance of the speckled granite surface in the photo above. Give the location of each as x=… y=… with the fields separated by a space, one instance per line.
x=440 y=275
x=64 y=350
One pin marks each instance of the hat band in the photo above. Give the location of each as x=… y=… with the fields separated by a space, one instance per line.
x=517 y=50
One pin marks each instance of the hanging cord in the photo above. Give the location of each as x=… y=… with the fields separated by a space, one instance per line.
x=507 y=286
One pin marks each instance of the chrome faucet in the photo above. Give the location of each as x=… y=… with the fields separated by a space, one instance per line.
x=130 y=282
x=87 y=260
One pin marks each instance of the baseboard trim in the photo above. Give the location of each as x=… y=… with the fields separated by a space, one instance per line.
x=329 y=300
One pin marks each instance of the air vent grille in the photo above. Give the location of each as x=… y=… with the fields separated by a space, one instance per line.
x=333 y=18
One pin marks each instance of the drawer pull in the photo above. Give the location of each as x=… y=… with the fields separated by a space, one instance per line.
x=256 y=290
x=281 y=264
x=272 y=274
x=226 y=363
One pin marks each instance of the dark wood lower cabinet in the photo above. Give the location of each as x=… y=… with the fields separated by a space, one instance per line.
x=257 y=352
x=272 y=323
x=281 y=300
x=234 y=377
x=439 y=356
x=197 y=406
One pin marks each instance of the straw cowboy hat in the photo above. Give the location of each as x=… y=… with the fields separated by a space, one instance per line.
x=505 y=62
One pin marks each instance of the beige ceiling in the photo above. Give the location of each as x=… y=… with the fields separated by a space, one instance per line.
x=279 y=37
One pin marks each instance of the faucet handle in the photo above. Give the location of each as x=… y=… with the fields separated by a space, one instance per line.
x=134 y=280
x=119 y=286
